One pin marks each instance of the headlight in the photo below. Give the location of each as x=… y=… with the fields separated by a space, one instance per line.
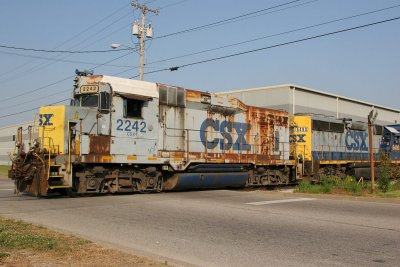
x=36 y=142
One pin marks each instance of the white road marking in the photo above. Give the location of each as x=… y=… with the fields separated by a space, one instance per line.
x=279 y=201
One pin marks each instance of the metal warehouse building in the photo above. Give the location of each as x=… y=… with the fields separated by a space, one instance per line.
x=7 y=140
x=298 y=100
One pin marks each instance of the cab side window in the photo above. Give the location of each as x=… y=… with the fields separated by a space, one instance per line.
x=133 y=108
x=105 y=102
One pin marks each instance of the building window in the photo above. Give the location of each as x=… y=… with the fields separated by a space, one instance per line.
x=133 y=108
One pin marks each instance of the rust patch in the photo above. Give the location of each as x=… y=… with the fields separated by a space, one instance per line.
x=99 y=145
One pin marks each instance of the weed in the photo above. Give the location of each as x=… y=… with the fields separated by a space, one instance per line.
x=384 y=173
x=350 y=185
x=4 y=255
x=20 y=235
x=307 y=187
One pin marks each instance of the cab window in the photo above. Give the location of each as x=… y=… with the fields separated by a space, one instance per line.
x=133 y=108
x=89 y=100
x=105 y=102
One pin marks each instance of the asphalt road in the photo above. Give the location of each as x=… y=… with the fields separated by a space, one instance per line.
x=225 y=228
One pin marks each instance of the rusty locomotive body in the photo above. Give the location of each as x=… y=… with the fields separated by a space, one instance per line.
x=121 y=135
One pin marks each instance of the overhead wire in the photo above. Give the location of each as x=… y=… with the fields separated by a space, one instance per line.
x=32 y=109
x=247 y=52
x=46 y=64
x=174 y=68
x=60 y=60
x=69 y=77
x=264 y=37
x=59 y=81
x=68 y=40
x=103 y=64
x=225 y=20
x=60 y=51
x=117 y=30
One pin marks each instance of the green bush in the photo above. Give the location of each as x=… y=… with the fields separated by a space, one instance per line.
x=384 y=174
x=307 y=187
x=350 y=184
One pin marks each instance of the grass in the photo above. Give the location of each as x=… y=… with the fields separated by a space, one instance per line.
x=347 y=186
x=335 y=185
x=394 y=190
x=24 y=244
x=4 y=171
x=21 y=235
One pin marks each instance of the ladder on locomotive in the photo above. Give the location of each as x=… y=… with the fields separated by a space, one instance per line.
x=55 y=175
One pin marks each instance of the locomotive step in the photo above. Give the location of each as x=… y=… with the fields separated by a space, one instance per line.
x=59 y=186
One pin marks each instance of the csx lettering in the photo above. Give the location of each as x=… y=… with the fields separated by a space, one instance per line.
x=396 y=147
x=356 y=141
x=44 y=119
x=297 y=138
x=131 y=126
x=225 y=128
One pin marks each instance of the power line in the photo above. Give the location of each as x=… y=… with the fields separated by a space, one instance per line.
x=225 y=20
x=172 y=4
x=245 y=52
x=36 y=89
x=68 y=40
x=61 y=51
x=32 y=100
x=45 y=64
x=58 y=60
x=265 y=37
x=59 y=81
x=272 y=46
x=32 y=109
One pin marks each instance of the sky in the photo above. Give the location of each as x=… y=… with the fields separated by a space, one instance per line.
x=363 y=63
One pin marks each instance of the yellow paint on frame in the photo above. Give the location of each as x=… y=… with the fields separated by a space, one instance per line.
x=300 y=137
x=52 y=128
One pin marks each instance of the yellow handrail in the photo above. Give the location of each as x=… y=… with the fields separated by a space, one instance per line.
x=69 y=150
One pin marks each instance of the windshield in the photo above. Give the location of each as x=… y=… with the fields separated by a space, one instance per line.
x=91 y=100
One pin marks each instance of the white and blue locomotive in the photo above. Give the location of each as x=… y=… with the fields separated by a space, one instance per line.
x=122 y=135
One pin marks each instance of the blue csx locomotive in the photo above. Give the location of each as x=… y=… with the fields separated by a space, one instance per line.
x=122 y=135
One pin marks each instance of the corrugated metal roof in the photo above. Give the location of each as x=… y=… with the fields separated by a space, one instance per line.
x=303 y=88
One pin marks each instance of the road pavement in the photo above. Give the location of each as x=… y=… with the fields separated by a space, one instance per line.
x=224 y=227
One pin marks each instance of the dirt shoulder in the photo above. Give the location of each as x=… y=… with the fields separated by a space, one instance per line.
x=23 y=244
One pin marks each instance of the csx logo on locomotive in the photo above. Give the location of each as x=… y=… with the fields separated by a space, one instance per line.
x=356 y=141
x=297 y=138
x=226 y=130
x=44 y=119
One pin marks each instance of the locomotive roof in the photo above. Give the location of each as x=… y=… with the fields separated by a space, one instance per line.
x=392 y=129
x=129 y=87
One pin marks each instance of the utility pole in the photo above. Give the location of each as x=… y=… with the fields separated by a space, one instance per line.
x=141 y=31
x=371 y=120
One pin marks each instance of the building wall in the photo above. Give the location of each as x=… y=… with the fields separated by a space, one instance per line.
x=301 y=100
x=273 y=98
x=7 y=141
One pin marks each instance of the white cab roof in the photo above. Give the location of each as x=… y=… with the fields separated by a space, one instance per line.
x=131 y=88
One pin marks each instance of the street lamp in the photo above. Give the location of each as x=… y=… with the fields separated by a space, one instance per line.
x=115 y=46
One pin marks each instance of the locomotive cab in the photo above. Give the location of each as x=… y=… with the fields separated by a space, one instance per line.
x=390 y=143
